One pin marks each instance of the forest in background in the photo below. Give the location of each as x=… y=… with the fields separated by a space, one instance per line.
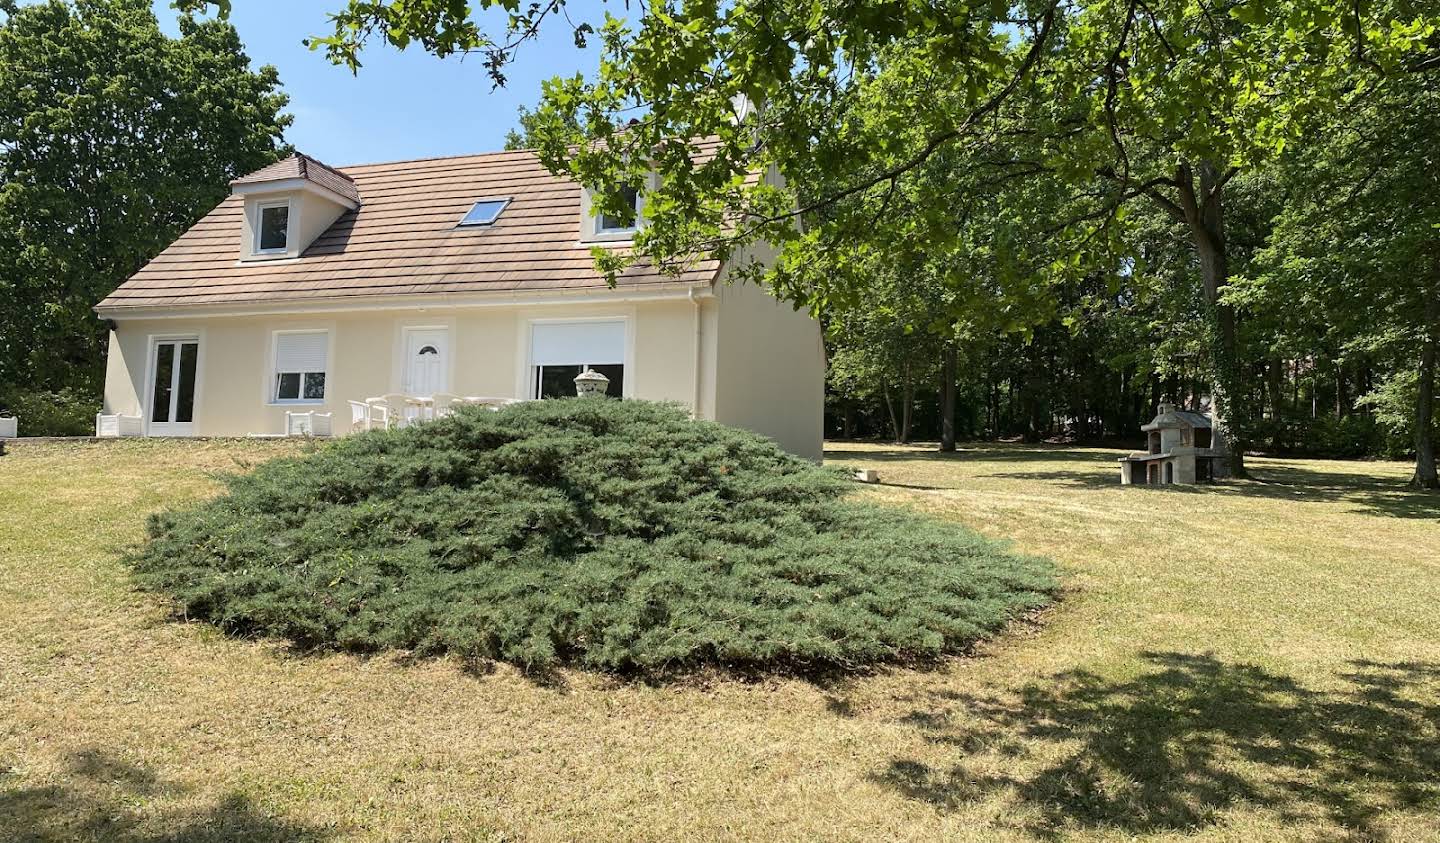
x=1322 y=384
x=114 y=139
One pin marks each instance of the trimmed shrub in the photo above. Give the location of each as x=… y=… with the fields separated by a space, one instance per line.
x=69 y=412
x=605 y=534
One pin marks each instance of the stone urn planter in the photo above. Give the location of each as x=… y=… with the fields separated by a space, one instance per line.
x=591 y=384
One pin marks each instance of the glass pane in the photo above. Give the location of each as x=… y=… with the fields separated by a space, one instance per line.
x=164 y=373
x=629 y=197
x=274 y=222
x=315 y=386
x=287 y=386
x=557 y=381
x=616 y=373
x=185 y=399
x=485 y=212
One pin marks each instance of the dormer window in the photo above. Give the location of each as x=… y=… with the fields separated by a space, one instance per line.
x=485 y=212
x=608 y=224
x=597 y=226
x=272 y=235
x=289 y=204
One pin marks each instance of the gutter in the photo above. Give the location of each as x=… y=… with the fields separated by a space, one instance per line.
x=690 y=291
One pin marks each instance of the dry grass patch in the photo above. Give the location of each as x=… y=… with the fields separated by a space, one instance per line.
x=1247 y=661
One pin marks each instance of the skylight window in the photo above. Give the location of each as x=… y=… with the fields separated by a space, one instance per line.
x=485 y=212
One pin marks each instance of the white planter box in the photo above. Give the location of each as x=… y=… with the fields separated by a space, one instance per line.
x=308 y=424
x=9 y=427
x=113 y=427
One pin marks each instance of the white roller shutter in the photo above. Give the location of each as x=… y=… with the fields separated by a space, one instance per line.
x=572 y=343
x=301 y=352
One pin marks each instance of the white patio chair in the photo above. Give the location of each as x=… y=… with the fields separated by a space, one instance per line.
x=359 y=415
x=443 y=404
x=308 y=424
x=492 y=403
x=9 y=427
x=402 y=410
x=365 y=416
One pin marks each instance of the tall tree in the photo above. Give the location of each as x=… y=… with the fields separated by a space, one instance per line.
x=1166 y=102
x=113 y=139
x=1356 y=250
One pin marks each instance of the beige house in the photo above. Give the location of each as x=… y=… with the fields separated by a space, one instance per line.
x=311 y=287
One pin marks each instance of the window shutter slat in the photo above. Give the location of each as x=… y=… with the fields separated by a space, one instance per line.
x=573 y=343
x=301 y=352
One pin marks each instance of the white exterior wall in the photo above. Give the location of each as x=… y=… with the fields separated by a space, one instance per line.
x=769 y=373
x=489 y=357
x=734 y=355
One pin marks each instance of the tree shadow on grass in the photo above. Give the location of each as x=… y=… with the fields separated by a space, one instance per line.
x=1191 y=736
x=105 y=799
x=1088 y=468
x=1369 y=494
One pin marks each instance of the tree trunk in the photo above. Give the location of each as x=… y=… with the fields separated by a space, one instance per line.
x=992 y=421
x=890 y=409
x=1425 y=476
x=1009 y=424
x=1342 y=395
x=948 y=373
x=1277 y=388
x=1202 y=209
x=908 y=396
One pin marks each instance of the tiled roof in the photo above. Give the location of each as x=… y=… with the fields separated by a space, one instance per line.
x=403 y=240
x=1177 y=419
x=302 y=166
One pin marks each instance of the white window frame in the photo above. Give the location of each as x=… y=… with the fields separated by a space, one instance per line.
x=601 y=228
x=260 y=209
x=590 y=229
x=526 y=383
x=273 y=383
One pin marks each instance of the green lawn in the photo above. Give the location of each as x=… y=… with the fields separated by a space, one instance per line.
x=1249 y=661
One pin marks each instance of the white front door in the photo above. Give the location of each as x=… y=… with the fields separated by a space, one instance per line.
x=173 y=375
x=427 y=361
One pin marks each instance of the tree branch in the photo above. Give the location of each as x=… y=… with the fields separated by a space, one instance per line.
x=941 y=139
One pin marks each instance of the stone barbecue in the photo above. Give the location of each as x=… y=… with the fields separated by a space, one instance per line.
x=1181 y=449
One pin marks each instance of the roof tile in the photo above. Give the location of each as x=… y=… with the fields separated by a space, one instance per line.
x=302 y=166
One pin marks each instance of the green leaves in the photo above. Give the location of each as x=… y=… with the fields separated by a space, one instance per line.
x=113 y=139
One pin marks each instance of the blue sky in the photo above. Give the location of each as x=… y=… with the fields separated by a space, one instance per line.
x=401 y=105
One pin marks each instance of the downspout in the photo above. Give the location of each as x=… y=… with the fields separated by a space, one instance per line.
x=695 y=406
